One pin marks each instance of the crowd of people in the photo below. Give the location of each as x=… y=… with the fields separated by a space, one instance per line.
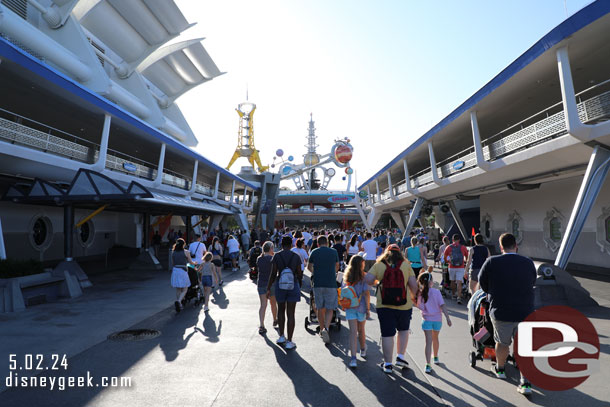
x=352 y=262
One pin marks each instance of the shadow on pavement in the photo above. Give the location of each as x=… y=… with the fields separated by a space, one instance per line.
x=220 y=298
x=210 y=331
x=310 y=388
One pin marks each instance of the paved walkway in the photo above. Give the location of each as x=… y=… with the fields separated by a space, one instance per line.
x=219 y=359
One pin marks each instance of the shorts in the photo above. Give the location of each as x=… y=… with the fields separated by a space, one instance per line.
x=234 y=255
x=325 y=297
x=392 y=320
x=431 y=325
x=474 y=275
x=262 y=290
x=217 y=262
x=456 y=274
x=293 y=295
x=207 y=281
x=354 y=314
x=504 y=331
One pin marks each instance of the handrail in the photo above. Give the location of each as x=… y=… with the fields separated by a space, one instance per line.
x=49 y=127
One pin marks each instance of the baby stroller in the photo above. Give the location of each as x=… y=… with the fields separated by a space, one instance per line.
x=313 y=314
x=227 y=263
x=195 y=291
x=481 y=330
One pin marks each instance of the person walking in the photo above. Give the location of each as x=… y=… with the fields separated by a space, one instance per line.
x=209 y=278
x=286 y=272
x=233 y=248
x=394 y=306
x=323 y=265
x=455 y=255
x=217 y=253
x=156 y=242
x=302 y=253
x=369 y=246
x=197 y=249
x=353 y=247
x=245 y=244
x=263 y=263
x=509 y=280
x=356 y=317
x=180 y=278
x=476 y=257
x=430 y=302
x=415 y=255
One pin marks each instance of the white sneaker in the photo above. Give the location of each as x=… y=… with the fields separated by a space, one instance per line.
x=206 y=308
x=325 y=336
x=290 y=345
x=281 y=340
x=363 y=353
x=353 y=363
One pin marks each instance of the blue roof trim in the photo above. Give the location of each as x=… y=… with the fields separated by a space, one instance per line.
x=576 y=22
x=17 y=55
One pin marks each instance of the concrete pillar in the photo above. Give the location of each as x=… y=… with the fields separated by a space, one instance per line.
x=100 y=164
x=216 y=185
x=159 y=177
x=397 y=216
x=437 y=180
x=476 y=140
x=596 y=173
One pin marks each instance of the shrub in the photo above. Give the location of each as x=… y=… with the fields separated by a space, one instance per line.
x=10 y=268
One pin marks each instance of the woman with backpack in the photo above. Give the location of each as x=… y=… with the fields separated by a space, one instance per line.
x=287 y=275
x=476 y=257
x=356 y=316
x=353 y=247
x=394 y=306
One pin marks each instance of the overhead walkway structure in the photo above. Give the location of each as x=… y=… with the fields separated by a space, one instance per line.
x=543 y=118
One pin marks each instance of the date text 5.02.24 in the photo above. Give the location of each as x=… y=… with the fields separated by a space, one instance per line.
x=37 y=362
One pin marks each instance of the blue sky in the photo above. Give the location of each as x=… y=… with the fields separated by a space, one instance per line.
x=379 y=72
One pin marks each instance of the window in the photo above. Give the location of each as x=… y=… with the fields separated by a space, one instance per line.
x=86 y=233
x=513 y=225
x=41 y=232
x=487 y=229
x=555 y=229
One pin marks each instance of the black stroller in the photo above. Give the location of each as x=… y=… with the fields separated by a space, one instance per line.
x=481 y=330
x=195 y=291
x=313 y=314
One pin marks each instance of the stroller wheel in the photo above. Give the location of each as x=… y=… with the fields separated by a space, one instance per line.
x=306 y=322
x=472 y=358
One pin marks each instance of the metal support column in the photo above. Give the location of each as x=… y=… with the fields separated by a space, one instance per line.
x=419 y=203
x=100 y=164
x=597 y=170
x=398 y=218
x=159 y=177
x=458 y=220
x=437 y=180
x=408 y=178
x=216 y=185
x=390 y=187
x=187 y=234
x=476 y=141
x=233 y=191
x=378 y=191
x=194 y=181
x=68 y=232
x=146 y=231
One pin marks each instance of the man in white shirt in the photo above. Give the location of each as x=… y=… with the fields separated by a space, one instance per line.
x=370 y=249
x=307 y=236
x=197 y=250
x=233 y=247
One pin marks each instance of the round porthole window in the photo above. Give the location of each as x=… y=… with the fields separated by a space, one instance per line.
x=86 y=233
x=40 y=232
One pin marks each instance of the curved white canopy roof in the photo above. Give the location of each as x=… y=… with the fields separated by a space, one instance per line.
x=177 y=68
x=133 y=29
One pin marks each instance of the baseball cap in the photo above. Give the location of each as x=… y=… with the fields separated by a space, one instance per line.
x=394 y=247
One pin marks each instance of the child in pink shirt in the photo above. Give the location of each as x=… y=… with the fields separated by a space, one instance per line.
x=430 y=302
